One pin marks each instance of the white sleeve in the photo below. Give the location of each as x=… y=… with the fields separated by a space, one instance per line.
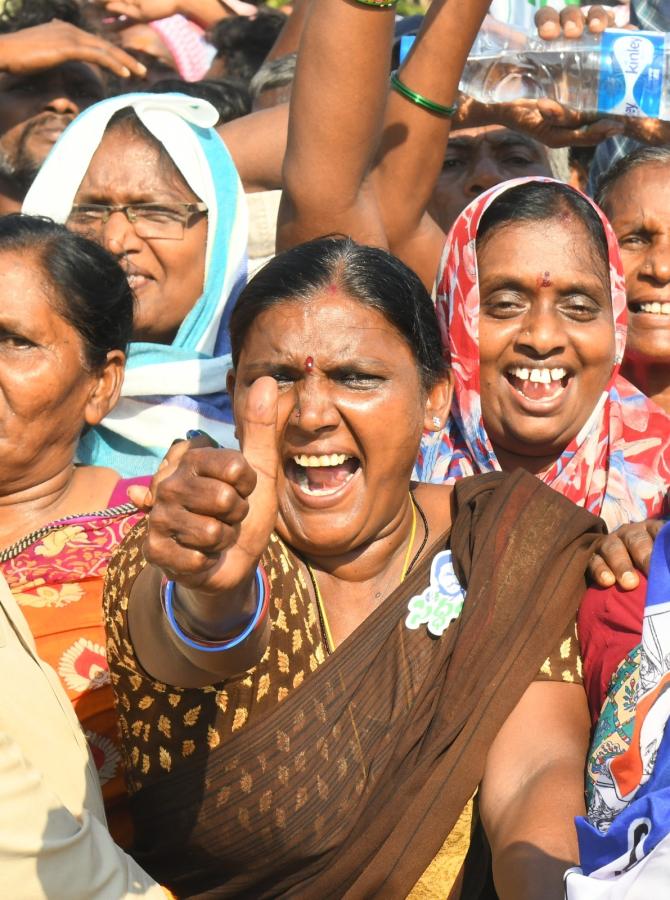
x=47 y=852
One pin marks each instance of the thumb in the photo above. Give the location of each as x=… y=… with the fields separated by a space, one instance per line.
x=259 y=428
x=141 y=496
x=259 y=447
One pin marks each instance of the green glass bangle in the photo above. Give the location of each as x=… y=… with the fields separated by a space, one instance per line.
x=445 y=111
x=384 y=5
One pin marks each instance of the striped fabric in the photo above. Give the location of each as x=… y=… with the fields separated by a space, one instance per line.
x=168 y=389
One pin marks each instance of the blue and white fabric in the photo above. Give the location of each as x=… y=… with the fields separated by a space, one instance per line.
x=168 y=389
x=624 y=842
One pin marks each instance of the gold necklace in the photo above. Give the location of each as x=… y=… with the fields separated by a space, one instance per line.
x=325 y=627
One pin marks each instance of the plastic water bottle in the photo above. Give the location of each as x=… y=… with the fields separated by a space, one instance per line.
x=622 y=73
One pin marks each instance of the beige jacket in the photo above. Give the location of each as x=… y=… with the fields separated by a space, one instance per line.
x=54 y=841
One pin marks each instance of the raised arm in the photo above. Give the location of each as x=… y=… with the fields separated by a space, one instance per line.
x=335 y=123
x=415 y=139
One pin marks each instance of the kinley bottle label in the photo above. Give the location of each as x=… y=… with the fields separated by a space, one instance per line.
x=631 y=73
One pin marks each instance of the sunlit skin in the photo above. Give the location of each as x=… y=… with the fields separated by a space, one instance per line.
x=476 y=160
x=637 y=206
x=36 y=107
x=46 y=397
x=544 y=303
x=364 y=378
x=168 y=275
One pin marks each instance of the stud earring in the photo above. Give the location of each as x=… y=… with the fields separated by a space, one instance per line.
x=437 y=423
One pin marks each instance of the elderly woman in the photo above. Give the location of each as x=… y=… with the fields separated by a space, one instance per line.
x=532 y=309
x=65 y=321
x=317 y=661
x=635 y=194
x=147 y=176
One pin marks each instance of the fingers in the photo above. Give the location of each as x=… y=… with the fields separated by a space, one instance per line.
x=618 y=555
x=572 y=22
x=612 y=565
x=599 y=18
x=569 y=128
x=102 y=53
x=639 y=542
x=197 y=511
x=548 y=24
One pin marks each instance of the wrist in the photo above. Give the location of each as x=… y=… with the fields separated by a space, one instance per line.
x=207 y=616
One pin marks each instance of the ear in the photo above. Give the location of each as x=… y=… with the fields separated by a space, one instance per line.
x=106 y=388
x=438 y=404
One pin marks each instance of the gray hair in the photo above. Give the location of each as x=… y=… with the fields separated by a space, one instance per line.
x=643 y=156
x=274 y=73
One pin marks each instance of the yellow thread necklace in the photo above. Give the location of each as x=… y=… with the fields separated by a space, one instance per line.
x=325 y=627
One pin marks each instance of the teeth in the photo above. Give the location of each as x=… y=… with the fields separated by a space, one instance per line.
x=540 y=376
x=656 y=308
x=314 y=462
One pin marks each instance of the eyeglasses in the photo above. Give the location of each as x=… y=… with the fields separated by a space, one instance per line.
x=165 y=221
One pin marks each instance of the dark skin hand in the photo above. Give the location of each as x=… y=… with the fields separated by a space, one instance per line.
x=619 y=554
x=56 y=42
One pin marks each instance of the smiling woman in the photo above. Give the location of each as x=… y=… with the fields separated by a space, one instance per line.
x=147 y=176
x=532 y=308
x=636 y=196
x=308 y=698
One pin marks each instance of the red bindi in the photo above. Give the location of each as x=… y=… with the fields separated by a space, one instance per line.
x=309 y=364
x=544 y=280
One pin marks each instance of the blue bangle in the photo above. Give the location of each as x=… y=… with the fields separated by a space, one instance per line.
x=213 y=646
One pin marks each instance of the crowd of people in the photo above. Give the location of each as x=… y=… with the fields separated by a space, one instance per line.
x=338 y=565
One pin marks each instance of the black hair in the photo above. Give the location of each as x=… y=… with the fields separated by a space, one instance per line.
x=372 y=276
x=541 y=201
x=19 y=14
x=229 y=96
x=643 y=156
x=88 y=287
x=244 y=43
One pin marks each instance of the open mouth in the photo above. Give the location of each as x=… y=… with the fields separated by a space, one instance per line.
x=322 y=476
x=538 y=384
x=136 y=281
x=655 y=308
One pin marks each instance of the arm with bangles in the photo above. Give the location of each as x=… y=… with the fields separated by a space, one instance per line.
x=532 y=789
x=212 y=512
x=414 y=138
x=337 y=107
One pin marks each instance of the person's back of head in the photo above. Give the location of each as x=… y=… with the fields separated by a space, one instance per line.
x=242 y=44
x=17 y=16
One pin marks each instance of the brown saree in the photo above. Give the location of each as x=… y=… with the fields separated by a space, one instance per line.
x=347 y=784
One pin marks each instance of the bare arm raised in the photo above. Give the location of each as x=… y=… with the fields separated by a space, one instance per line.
x=337 y=107
x=414 y=139
x=210 y=522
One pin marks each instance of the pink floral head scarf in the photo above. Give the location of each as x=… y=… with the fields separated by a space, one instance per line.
x=618 y=466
